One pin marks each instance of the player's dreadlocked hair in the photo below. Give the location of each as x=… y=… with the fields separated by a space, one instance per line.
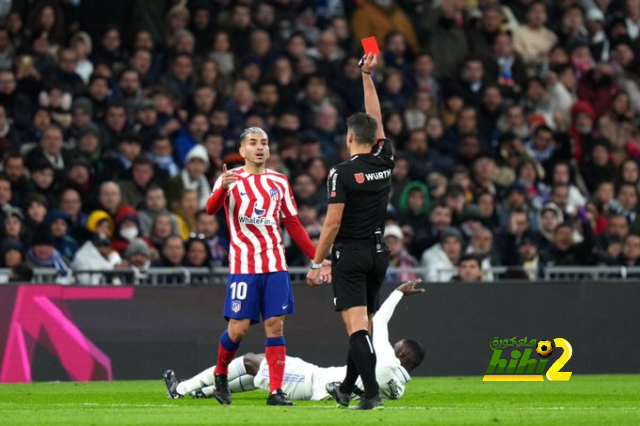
x=415 y=354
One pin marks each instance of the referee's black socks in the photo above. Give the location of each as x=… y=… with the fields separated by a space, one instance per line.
x=362 y=362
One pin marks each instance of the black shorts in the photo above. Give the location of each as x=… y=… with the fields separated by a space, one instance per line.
x=357 y=274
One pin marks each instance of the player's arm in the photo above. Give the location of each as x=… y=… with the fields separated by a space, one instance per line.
x=330 y=230
x=291 y=222
x=383 y=316
x=371 y=101
x=336 y=198
x=299 y=236
x=220 y=190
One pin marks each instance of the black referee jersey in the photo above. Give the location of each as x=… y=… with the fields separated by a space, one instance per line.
x=363 y=184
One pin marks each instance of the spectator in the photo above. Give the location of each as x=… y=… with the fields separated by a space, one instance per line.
x=71 y=203
x=529 y=256
x=81 y=44
x=599 y=166
x=44 y=255
x=172 y=256
x=413 y=207
x=127 y=228
x=398 y=255
x=155 y=203
x=100 y=222
x=197 y=255
x=187 y=139
x=162 y=228
x=13 y=226
x=549 y=218
x=115 y=129
x=50 y=149
x=446 y=39
x=59 y=223
x=137 y=181
x=378 y=18
x=95 y=255
x=440 y=260
x=110 y=199
x=192 y=177
x=630 y=256
x=469 y=269
x=617 y=126
x=598 y=88
x=564 y=252
x=138 y=256
x=15 y=174
x=481 y=245
x=626 y=204
x=9 y=137
x=533 y=41
x=11 y=254
x=209 y=227
x=471 y=83
x=185 y=210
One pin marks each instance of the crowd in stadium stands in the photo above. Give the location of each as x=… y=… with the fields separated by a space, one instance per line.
x=515 y=125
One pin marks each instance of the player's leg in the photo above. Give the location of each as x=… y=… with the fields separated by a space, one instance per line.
x=371 y=398
x=236 y=369
x=351 y=299
x=242 y=308
x=277 y=301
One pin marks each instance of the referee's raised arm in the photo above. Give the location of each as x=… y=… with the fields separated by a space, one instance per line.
x=371 y=101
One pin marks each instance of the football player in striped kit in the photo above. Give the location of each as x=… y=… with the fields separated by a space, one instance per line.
x=255 y=200
x=306 y=381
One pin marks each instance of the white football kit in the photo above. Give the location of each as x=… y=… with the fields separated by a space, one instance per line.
x=306 y=381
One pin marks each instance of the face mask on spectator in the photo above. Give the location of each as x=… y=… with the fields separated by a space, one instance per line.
x=129 y=234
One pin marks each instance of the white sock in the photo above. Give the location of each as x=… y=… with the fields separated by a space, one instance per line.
x=242 y=384
x=197 y=382
x=205 y=378
x=236 y=369
x=208 y=391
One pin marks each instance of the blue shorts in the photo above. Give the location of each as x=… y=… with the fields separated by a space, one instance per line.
x=252 y=295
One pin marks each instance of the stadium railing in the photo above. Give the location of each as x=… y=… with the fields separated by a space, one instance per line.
x=205 y=276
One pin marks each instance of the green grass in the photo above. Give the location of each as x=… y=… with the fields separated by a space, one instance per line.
x=464 y=400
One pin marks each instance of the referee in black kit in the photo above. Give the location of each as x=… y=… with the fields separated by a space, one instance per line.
x=358 y=195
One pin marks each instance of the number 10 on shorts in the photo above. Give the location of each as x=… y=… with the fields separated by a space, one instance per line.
x=238 y=290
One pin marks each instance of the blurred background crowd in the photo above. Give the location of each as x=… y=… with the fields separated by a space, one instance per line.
x=515 y=125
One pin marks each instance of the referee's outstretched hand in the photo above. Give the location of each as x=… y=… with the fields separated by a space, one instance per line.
x=409 y=287
x=228 y=178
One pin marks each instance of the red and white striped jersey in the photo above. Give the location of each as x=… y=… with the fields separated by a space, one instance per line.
x=254 y=207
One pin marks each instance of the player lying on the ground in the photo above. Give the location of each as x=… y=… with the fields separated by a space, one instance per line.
x=305 y=381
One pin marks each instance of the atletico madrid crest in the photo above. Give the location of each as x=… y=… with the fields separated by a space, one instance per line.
x=236 y=305
x=359 y=177
x=274 y=194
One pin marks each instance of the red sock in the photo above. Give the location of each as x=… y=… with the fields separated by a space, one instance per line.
x=275 y=359
x=224 y=359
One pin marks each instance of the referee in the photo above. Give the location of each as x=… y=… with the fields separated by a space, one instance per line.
x=358 y=195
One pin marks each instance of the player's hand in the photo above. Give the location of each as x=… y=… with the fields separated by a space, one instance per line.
x=228 y=178
x=314 y=278
x=409 y=288
x=325 y=271
x=369 y=63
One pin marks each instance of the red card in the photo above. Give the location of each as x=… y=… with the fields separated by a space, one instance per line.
x=370 y=45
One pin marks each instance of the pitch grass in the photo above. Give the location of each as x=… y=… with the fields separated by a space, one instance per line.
x=455 y=400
